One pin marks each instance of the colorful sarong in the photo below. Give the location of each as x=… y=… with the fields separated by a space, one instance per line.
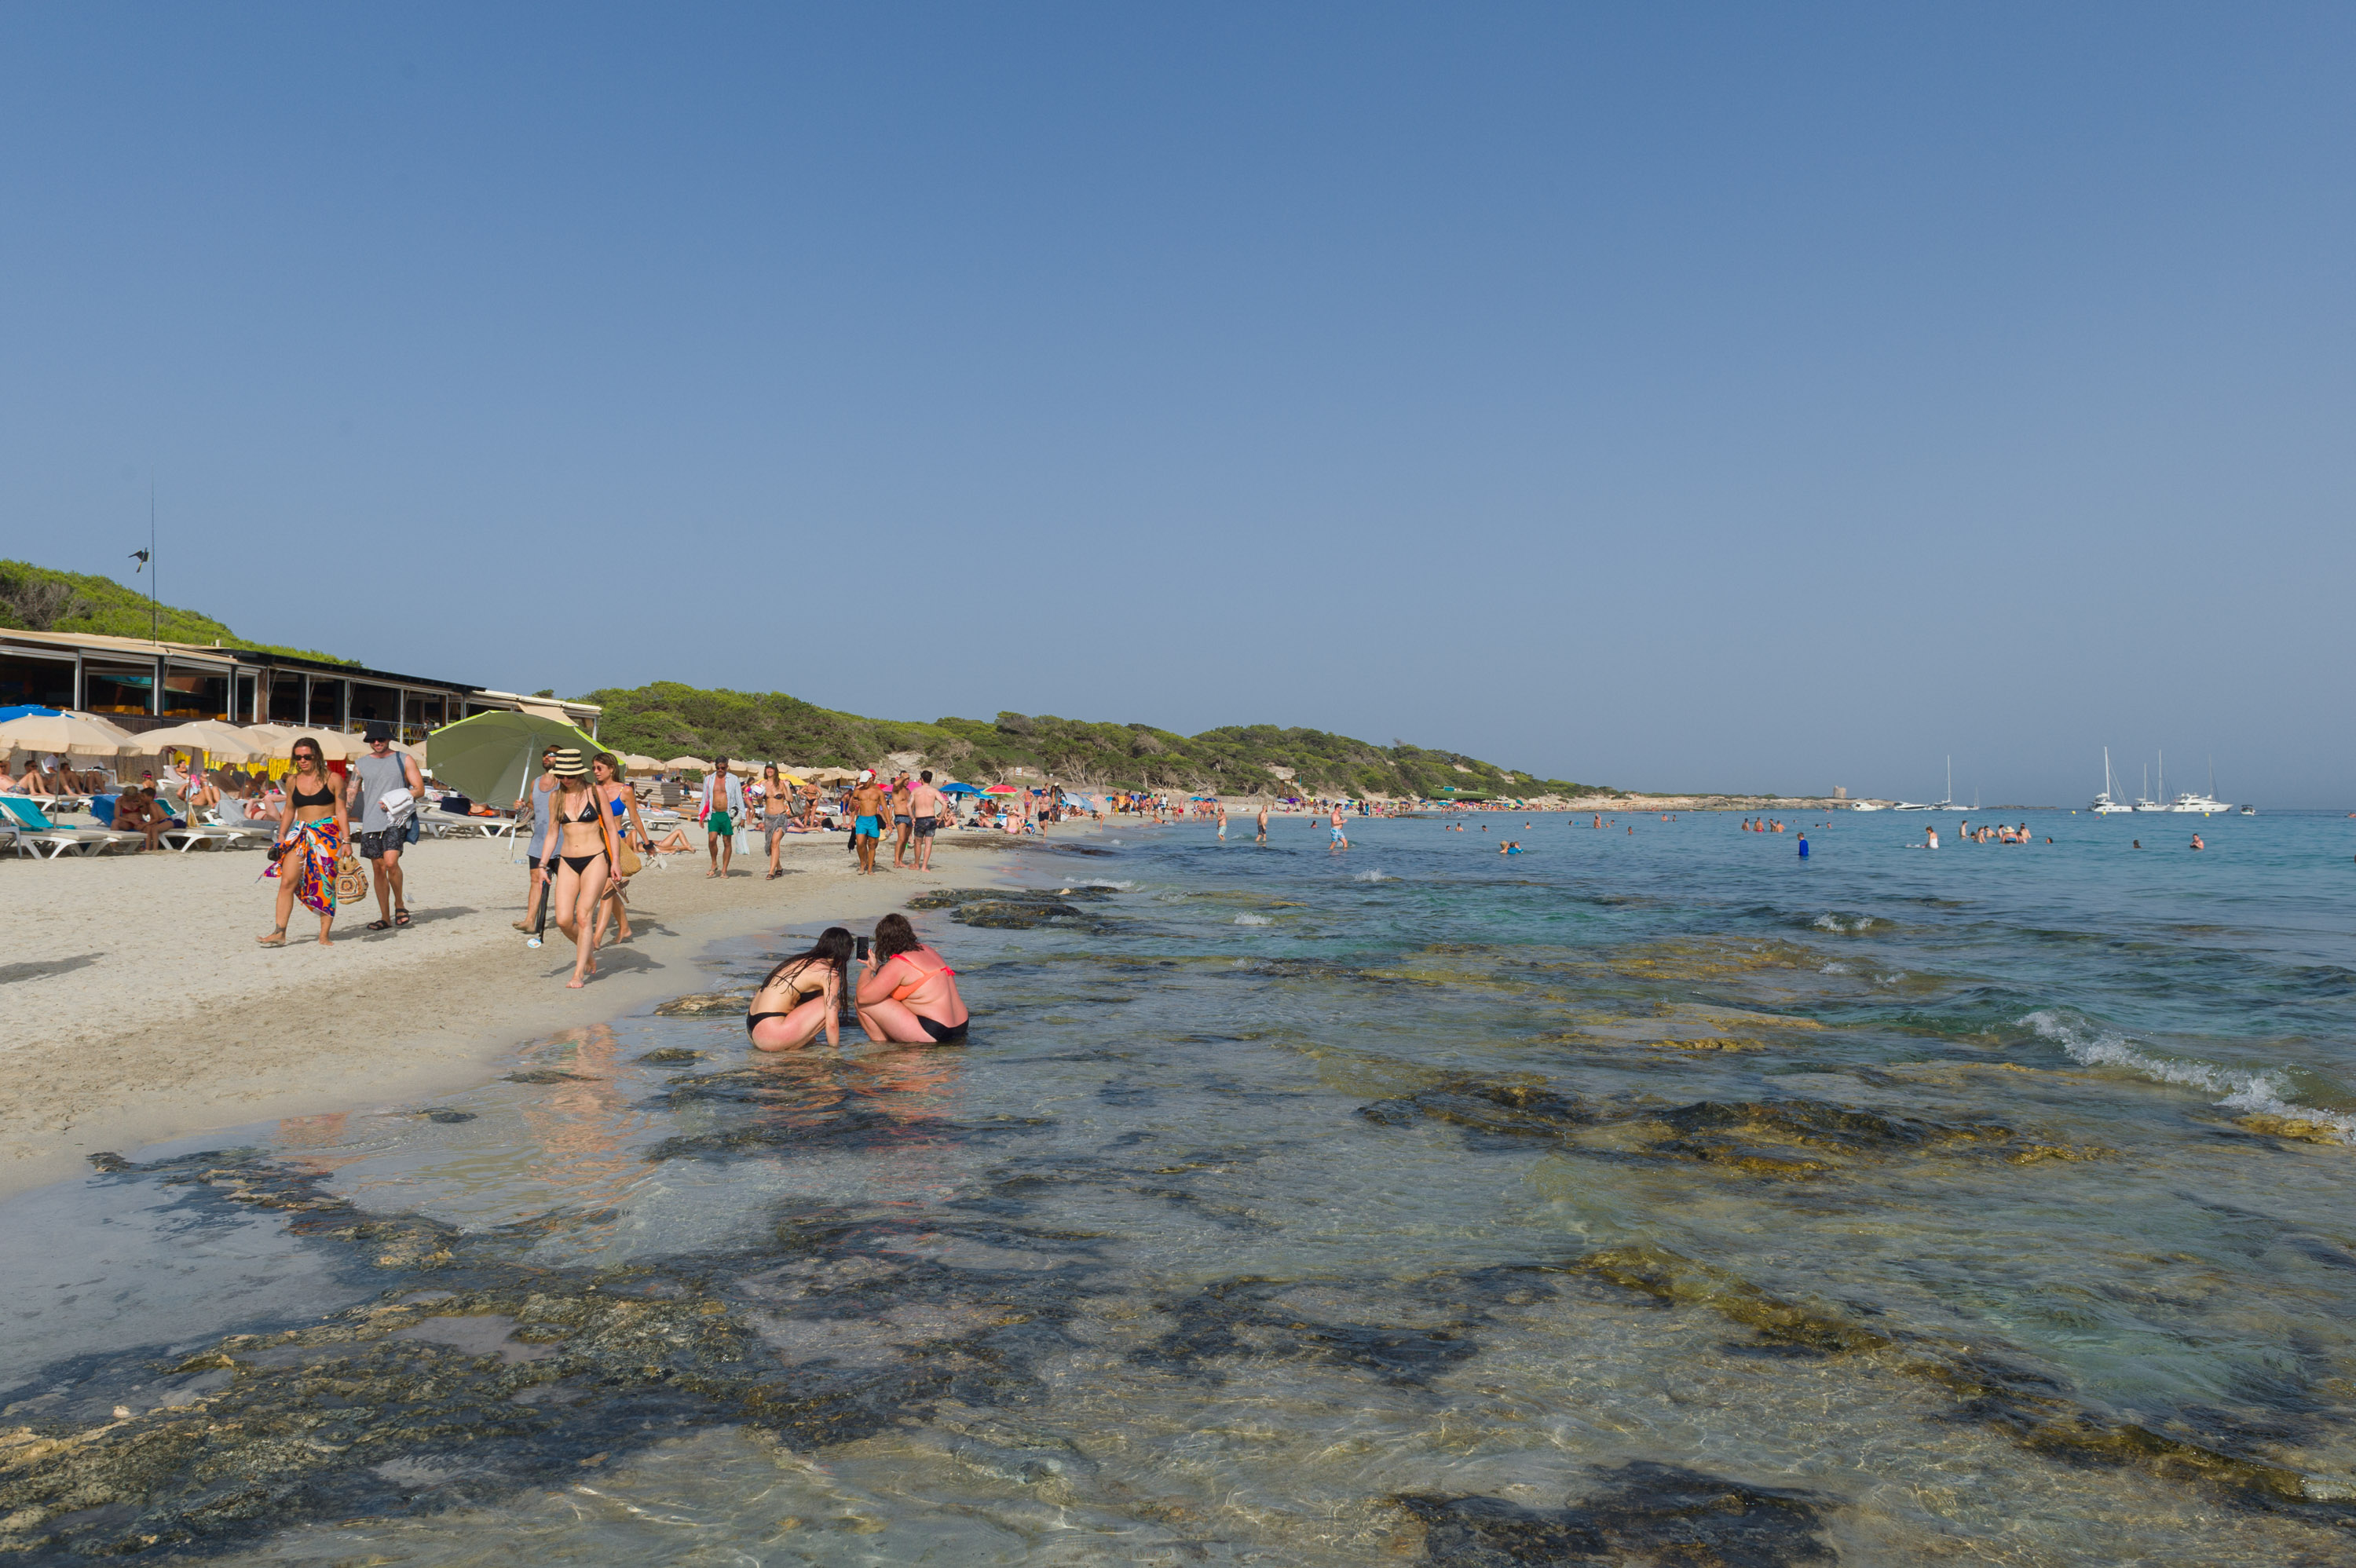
x=322 y=848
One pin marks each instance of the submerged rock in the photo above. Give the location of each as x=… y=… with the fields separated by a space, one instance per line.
x=2295 y=1127
x=666 y=1055
x=1993 y=1387
x=1786 y=1139
x=513 y=1375
x=1649 y=1513
x=704 y=1004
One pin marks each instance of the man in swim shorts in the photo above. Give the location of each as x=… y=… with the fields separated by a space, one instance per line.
x=869 y=807
x=1335 y=820
x=724 y=802
x=925 y=805
x=903 y=828
x=1261 y=837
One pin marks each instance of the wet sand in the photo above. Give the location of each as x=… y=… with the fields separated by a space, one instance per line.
x=138 y=1007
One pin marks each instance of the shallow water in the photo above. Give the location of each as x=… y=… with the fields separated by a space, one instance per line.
x=1645 y=1196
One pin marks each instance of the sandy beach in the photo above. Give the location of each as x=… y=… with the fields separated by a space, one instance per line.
x=140 y=1009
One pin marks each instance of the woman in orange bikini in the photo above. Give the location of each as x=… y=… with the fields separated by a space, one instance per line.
x=909 y=993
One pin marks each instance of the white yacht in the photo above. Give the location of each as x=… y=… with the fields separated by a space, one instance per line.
x=2104 y=805
x=2144 y=801
x=2203 y=803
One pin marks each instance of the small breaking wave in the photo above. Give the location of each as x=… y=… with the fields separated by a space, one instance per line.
x=1846 y=924
x=1253 y=919
x=2239 y=1088
x=1105 y=882
x=1374 y=876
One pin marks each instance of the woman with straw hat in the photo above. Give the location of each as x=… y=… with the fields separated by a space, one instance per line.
x=583 y=852
x=311 y=832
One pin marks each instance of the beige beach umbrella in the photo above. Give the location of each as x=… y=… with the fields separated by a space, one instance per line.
x=687 y=764
x=225 y=741
x=66 y=732
x=278 y=741
x=638 y=764
x=107 y=725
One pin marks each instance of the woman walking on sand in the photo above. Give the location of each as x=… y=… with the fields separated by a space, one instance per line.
x=583 y=851
x=311 y=831
x=778 y=804
x=622 y=816
x=802 y=996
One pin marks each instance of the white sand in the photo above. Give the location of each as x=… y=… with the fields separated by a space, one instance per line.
x=135 y=1007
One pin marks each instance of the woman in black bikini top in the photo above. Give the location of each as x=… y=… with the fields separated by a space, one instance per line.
x=786 y=1013
x=312 y=831
x=583 y=863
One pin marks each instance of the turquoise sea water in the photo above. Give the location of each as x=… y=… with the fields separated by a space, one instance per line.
x=1652 y=1195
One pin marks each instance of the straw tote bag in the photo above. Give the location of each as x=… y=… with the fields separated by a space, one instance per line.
x=351 y=879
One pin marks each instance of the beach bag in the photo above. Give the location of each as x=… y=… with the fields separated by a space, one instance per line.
x=625 y=860
x=351 y=879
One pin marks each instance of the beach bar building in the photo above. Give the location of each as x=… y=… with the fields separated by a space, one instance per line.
x=142 y=684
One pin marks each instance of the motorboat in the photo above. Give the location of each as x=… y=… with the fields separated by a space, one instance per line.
x=1867 y=805
x=2203 y=803
x=2249 y=811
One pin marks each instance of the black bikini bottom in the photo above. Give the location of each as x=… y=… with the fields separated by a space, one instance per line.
x=752 y=1018
x=942 y=1033
x=578 y=863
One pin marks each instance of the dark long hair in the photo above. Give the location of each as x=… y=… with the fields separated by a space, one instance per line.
x=832 y=948
x=894 y=935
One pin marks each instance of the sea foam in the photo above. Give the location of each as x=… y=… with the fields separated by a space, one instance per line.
x=2239 y=1088
x=1253 y=919
x=1374 y=876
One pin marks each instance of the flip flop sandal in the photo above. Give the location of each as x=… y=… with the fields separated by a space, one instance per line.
x=400 y=917
x=380 y=925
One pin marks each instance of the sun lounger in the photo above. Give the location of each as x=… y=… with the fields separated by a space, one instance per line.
x=36 y=832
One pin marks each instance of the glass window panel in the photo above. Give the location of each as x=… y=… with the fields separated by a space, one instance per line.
x=48 y=683
x=117 y=688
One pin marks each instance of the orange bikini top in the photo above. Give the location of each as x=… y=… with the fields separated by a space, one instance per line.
x=902 y=993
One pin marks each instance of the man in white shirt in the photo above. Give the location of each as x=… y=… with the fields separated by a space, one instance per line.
x=722 y=805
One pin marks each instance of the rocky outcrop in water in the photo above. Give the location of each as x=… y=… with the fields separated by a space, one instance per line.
x=1786 y=1139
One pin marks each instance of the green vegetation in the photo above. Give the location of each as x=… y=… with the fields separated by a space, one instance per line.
x=666 y=720
x=34 y=598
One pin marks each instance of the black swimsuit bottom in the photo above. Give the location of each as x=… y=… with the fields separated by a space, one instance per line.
x=799 y=997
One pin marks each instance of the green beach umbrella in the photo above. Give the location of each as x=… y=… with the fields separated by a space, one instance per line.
x=487 y=757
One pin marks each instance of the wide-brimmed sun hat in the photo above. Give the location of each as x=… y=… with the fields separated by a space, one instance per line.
x=569 y=764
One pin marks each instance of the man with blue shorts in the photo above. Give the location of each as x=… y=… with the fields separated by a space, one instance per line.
x=869 y=807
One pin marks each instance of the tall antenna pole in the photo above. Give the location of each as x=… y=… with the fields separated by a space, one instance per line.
x=151 y=611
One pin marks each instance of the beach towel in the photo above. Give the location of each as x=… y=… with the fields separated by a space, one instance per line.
x=323 y=847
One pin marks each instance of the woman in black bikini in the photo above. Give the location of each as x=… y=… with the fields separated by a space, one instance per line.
x=909 y=993
x=583 y=860
x=801 y=995
x=311 y=835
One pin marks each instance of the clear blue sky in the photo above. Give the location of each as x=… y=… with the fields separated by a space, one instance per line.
x=1672 y=397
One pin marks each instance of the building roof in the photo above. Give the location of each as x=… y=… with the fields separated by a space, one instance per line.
x=100 y=642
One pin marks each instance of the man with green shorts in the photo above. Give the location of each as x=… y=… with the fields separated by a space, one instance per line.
x=723 y=803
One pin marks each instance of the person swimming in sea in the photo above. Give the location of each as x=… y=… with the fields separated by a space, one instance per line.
x=2197 y=844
